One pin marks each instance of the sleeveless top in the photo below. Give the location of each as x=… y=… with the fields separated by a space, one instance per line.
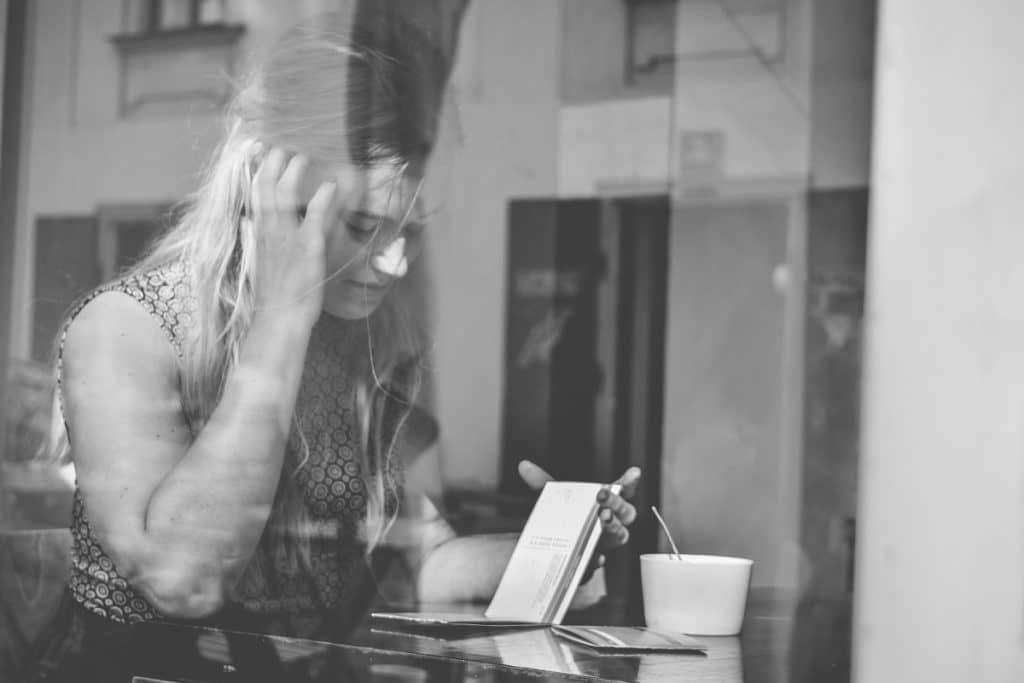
x=329 y=474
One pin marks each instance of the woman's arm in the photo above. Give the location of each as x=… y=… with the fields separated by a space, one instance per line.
x=465 y=569
x=181 y=517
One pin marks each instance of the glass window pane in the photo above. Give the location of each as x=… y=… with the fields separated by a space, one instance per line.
x=592 y=234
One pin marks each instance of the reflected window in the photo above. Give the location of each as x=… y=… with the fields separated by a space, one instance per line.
x=155 y=16
x=651 y=40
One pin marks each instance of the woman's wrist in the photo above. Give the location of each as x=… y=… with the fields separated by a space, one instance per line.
x=283 y=321
x=269 y=368
x=277 y=339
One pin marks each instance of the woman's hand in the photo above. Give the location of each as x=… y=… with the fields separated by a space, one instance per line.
x=290 y=262
x=469 y=568
x=616 y=512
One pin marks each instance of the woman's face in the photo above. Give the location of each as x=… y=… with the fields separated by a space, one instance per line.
x=375 y=236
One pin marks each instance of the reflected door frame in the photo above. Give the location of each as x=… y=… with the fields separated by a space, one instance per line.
x=790 y=193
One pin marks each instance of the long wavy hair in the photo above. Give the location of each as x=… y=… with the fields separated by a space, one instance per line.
x=360 y=89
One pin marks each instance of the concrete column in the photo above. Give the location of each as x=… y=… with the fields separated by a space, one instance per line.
x=940 y=593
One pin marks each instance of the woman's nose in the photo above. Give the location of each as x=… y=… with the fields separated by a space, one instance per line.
x=391 y=260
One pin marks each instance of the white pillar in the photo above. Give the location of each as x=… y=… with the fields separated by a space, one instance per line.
x=940 y=592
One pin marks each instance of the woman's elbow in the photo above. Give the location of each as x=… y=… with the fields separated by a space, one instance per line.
x=182 y=592
x=178 y=582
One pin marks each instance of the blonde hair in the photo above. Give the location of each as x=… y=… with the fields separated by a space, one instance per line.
x=321 y=93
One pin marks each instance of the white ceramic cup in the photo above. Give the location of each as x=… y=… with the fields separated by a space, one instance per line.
x=702 y=595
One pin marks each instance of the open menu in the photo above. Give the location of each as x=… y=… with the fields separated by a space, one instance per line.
x=628 y=639
x=546 y=566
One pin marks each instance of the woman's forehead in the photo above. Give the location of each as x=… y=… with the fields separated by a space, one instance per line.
x=384 y=188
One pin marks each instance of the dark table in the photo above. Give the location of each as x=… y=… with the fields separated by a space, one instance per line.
x=781 y=642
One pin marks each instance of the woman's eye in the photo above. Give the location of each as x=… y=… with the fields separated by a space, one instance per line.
x=363 y=229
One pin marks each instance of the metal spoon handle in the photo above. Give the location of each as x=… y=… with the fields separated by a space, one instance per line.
x=664 y=527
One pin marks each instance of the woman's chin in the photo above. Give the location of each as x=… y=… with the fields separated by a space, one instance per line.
x=350 y=310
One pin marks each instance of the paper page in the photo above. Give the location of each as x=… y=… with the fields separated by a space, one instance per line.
x=572 y=582
x=539 y=568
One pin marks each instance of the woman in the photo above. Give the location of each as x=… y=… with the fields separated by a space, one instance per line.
x=233 y=403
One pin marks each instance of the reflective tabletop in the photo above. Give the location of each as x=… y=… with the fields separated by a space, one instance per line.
x=808 y=642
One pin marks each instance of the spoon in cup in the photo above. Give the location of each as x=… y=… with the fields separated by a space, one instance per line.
x=668 y=535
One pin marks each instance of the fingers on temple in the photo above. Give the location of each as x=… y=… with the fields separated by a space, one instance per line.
x=321 y=208
x=265 y=183
x=287 y=190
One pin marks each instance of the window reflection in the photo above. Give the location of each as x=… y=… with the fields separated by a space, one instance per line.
x=645 y=237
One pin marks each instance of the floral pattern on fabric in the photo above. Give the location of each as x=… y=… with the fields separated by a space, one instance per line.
x=330 y=476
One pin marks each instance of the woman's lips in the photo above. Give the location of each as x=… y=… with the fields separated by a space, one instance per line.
x=370 y=288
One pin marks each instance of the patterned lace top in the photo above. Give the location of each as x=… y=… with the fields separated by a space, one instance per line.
x=329 y=475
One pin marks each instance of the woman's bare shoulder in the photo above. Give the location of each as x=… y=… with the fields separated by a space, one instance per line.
x=114 y=332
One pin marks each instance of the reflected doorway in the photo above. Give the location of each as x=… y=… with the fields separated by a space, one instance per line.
x=585 y=351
